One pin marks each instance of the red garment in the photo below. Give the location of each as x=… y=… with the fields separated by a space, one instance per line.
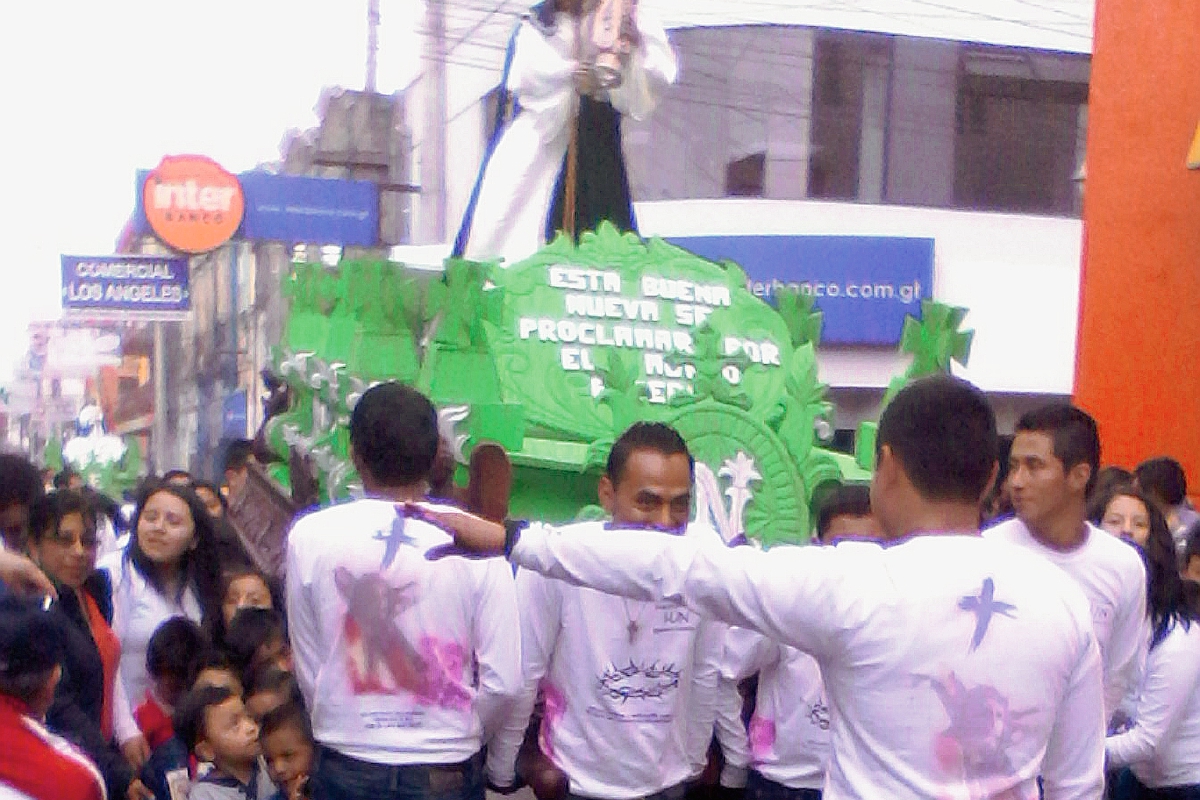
x=154 y=723
x=110 y=656
x=40 y=764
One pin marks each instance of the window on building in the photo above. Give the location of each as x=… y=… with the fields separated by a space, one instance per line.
x=1017 y=138
x=746 y=177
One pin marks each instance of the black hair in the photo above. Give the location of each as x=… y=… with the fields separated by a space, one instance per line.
x=848 y=500
x=1163 y=478
x=51 y=509
x=200 y=566
x=1168 y=598
x=191 y=710
x=172 y=474
x=270 y=678
x=30 y=647
x=943 y=432
x=1073 y=432
x=237 y=455
x=288 y=715
x=655 y=436
x=1107 y=479
x=249 y=630
x=177 y=649
x=394 y=433
x=63 y=479
x=20 y=481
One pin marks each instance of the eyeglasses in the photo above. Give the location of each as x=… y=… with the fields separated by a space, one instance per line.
x=89 y=541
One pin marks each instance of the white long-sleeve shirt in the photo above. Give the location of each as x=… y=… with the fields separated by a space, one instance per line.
x=629 y=685
x=402 y=660
x=1113 y=578
x=1163 y=746
x=138 y=611
x=955 y=666
x=788 y=738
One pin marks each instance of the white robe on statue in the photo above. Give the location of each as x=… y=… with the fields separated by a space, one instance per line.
x=519 y=181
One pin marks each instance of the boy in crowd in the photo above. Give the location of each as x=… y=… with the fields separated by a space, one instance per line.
x=34 y=761
x=846 y=514
x=269 y=688
x=174 y=657
x=287 y=745
x=214 y=725
x=257 y=637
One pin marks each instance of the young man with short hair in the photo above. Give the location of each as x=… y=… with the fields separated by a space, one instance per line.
x=33 y=760
x=409 y=666
x=629 y=685
x=955 y=666
x=1164 y=480
x=1053 y=464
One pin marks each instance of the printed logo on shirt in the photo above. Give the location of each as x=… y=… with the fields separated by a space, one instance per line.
x=982 y=731
x=645 y=681
x=673 y=616
x=380 y=657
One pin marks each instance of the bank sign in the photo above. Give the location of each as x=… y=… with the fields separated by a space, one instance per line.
x=865 y=285
x=124 y=287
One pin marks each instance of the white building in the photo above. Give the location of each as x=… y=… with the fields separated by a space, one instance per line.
x=954 y=121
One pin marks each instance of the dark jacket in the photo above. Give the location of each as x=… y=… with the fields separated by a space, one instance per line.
x=79 y=698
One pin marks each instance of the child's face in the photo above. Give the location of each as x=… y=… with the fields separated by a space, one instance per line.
x=260 y=704
x=218 y=676
x=230 y=735
x=289 y=755
x=275 y=652
x=244 y=591
x=168 y=689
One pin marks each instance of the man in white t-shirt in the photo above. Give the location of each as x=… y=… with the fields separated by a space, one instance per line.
x=955 y=666
x=409 y=666
x=1052 y=467
x=629 y=685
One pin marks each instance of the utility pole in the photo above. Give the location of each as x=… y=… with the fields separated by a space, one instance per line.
x=372 y=45
x=433 y=145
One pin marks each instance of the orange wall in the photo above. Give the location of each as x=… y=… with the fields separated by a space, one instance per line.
x=1138 y=367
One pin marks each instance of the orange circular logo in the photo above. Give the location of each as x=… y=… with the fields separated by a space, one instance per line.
x=192 y=203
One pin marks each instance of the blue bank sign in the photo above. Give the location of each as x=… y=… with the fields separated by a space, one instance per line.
x=299 y=210
x=121 y=287
x=865 y=285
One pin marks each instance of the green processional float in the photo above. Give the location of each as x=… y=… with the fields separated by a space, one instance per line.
x=553 y=357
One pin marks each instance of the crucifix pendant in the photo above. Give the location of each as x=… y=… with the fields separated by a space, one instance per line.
x=634 y=629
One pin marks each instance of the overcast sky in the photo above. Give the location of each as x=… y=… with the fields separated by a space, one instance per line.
x=94 y=90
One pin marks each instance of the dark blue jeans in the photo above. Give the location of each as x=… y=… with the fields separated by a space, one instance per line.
x=676 y=792
x=761 y=788
x=1143 y=792
x=339 y=777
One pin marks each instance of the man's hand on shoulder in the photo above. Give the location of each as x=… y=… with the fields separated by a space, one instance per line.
x=474 y=537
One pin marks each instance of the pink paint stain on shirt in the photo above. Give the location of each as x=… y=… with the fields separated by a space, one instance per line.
x=762 y=738
x=444 y=662
x=554 y=707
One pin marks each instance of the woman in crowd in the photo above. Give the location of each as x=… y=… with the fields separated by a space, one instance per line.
x=1162 y=746
x=64 y=542
x=171 y=568
x=1125 y=511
